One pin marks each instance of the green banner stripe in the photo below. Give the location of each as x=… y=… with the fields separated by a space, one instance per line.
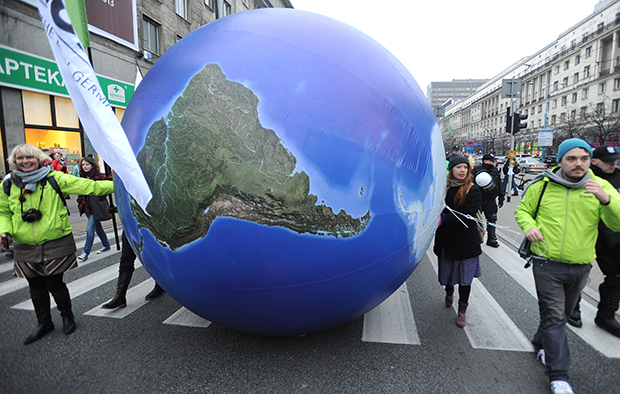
x=29 y=72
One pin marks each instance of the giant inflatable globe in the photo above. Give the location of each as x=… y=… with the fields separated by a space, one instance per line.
x=297 y=172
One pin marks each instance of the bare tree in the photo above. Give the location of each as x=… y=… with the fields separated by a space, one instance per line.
x=571 y=125
x=601 y=119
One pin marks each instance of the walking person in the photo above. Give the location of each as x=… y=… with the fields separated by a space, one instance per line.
x=33 y=216
x=457 y=242
x=125 y=272
x=604 y=160
x=90 y=169
x=570 y=200
x=488 y=179
x=515 y=171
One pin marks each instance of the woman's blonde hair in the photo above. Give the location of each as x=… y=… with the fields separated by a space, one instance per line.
x=27 y=150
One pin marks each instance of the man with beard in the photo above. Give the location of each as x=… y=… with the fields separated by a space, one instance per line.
x=490 y=191
x=559 y=213
x=604 y=160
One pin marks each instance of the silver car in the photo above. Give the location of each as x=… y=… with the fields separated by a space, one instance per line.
x=531 y=164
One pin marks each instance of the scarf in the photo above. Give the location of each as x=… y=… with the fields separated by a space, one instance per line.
x=28 y=180
x=455 y=183
x=559 y=179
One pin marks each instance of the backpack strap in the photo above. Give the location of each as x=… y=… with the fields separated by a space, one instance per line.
x=52 y=181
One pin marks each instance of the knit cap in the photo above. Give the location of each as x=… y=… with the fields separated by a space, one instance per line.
x=572 y=143
x=457 y=159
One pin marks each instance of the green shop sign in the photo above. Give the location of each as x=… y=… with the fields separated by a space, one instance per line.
x=29 y=72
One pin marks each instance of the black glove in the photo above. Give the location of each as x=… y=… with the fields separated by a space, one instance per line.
x=500 y=203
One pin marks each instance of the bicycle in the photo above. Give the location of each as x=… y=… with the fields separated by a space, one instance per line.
x=521 y=181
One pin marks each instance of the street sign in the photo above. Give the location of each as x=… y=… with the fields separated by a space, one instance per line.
x=511 y=88
x=545 y=138
x=512 y=154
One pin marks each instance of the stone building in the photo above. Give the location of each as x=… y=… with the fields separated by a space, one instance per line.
x=573 y=83
x=126 y=36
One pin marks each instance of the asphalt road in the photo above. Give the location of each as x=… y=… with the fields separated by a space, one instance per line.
x=158 y=347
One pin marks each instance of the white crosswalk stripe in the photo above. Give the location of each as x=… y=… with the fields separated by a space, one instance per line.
x=184 y=317
x=601 y=340
x=392 y=321
x=135 y=299
x=488 y=326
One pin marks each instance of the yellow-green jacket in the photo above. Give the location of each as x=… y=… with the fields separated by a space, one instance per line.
x=568 y=219
x=54 y=223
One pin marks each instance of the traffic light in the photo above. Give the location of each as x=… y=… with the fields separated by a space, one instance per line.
x=517 y=118
x=508 y=120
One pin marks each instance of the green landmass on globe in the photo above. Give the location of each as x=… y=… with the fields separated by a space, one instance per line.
x=210 y=157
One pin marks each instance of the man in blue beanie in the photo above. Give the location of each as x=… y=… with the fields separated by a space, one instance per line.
x=560 y=213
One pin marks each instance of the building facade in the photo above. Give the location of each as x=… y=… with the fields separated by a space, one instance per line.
x=572 y=86
x=442 y=94
x=127 y=37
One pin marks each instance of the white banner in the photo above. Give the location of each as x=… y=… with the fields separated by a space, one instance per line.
x=100 y=122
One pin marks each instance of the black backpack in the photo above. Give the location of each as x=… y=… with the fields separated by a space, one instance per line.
x=52 y=181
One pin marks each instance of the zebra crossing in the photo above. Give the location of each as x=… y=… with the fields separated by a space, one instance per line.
x=488 y=325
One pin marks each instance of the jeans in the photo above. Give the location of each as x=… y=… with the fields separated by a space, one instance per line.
x=558 y=287
x=514 y=185
x=91 y=227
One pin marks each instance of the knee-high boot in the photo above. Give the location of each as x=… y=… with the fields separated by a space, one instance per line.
x=119 y=300
x=63 y=300
x=491 y=235
x=41 y=302
x=607 y=307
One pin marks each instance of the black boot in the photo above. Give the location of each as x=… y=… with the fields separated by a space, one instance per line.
x=119 y=300
x=492 y=237
x=156 y=292
x=607 y=307
x=63 y=300
x=41 y=302
x=575 y=318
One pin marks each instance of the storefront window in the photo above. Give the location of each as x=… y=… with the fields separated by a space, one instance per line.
x=37 y=108
x=66 y=115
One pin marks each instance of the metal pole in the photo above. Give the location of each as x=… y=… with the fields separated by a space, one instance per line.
x=544 y=148
x=512 y=141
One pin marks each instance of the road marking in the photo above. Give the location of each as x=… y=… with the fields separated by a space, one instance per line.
x=185 y=317
x=135 y=299
x=392 y=321
x=6 y=267
x=488 y=326
x=82 y=285
x=599 y=339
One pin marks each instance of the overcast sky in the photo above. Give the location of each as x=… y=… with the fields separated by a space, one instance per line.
x=456 y=39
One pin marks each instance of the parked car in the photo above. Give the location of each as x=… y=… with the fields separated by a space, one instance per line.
x=550 y=160
x=500 y=159
x=531 y=164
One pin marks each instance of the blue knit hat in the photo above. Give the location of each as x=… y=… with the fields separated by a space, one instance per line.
x=572 y=143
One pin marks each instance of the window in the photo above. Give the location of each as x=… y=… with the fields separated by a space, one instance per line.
x=150 y=32
x=586 y=71
x=582 y=111
x=588 y=52
x=209 y=3
x=556 y=69
x=600 y=108
x=601 y=88
x=556 y=85
x=577 y=59
x=533 y=111
x=565 y=81
x=181 y=8
x=600 y=27
x=615 y=105
x=539 y=123
x=576 y=78
x=552 y=119
x=564 y=101
x=574 y=98
x=566 y=64
x=584 y=93
x=616 y=83
x=573 y=114
x=540 y=108
x=563 y=117
x=226 y=9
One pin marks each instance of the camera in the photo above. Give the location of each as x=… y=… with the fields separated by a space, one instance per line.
x=31 y=215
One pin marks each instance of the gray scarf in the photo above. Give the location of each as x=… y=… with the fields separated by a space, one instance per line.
x=558 y=178
x=28 y=180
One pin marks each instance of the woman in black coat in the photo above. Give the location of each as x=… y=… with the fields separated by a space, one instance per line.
x=457 y=242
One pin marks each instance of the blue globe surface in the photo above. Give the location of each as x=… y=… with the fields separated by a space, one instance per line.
x=297 y=171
